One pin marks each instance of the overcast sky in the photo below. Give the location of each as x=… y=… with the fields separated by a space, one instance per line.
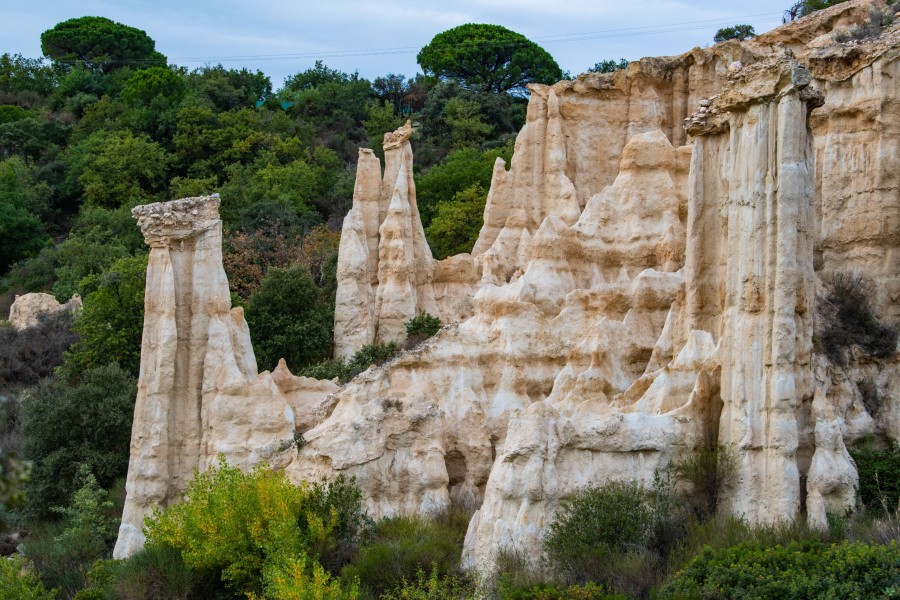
x=280 y=37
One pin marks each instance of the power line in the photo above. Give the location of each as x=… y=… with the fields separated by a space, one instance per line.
x=550 y=39
x=622 y=32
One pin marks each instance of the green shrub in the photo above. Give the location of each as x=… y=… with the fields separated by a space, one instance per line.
x=252 y=529
x=302 y=578
x=433 y=587
x=328 y=369
x=706 y=472
x=797 y=570
x=423 y=324
x=18 y=581
x=66 y=425
x=849 y=321
x=365 y=357
x=595 y=523
x=737 y=32
x=64 y=553
x=371 y=354
x=342 y=500
x=402 y=546
x=879 y=476
x=588 y=591
x=156 y=572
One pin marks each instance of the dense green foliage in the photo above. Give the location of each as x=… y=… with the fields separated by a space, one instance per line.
x=258 y=532
x=794 y=571
x=488 y=56
x=19 y=581
x=403 y=546
x=112 y=318
x=424 y=325
x=99 y=44
x=68 y=425
x=64 y=552
x=879 y=476
x=368 y=355
x=432 y=587
x=736 y=32
x=290 y=319
x=609 y=65
x=461 y=170
x=455 y=227
x=599 y=527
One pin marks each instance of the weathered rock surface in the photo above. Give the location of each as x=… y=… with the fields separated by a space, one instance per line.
x=199 y=393
x=28 y=309
x=645 y=284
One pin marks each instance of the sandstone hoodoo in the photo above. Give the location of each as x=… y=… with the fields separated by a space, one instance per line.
x=654 y=275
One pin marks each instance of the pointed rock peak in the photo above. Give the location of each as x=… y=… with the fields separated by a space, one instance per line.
x=650 y=150
x=499 y=165
x=553 y=105
x=699 y=348
x=353 y=220
x=524 y=239
x=400 y=195
x=367 y=186
x=398 y=137
x=550 y=230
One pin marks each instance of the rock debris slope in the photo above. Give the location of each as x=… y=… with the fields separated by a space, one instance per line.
x=649 y=280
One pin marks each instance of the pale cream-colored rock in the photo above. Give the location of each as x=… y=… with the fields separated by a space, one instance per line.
x=27 y=310
x=645 y=284
x=199 y=394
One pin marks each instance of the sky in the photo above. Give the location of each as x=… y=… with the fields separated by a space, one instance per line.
x=282 y=37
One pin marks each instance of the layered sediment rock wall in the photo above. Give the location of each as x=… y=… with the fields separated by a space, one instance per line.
x=646 y=284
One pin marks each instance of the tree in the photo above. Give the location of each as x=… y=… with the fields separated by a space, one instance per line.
x=118 y=168
x=460 y=170
x=456 y=226
x=737 y=32
x=148 y=84
x=22 y=201
x=290 y=318
x=227 y=89
x=488 y=56
x=808 y=7
x=112 y=320
x=608 y=66
x=68 y=424
x=19 y=74
x=100 y=44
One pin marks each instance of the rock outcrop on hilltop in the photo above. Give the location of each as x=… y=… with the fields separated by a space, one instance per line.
x=647 y=282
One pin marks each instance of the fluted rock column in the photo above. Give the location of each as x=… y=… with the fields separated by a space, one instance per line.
x=198 y=390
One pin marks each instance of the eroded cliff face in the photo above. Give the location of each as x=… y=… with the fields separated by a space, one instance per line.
x=646 y=283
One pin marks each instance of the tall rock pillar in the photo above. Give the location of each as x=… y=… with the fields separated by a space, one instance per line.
x=198 y=390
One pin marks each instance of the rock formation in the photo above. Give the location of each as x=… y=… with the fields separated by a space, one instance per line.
x=199 y=394
x=646 y=284
x=28 y=309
